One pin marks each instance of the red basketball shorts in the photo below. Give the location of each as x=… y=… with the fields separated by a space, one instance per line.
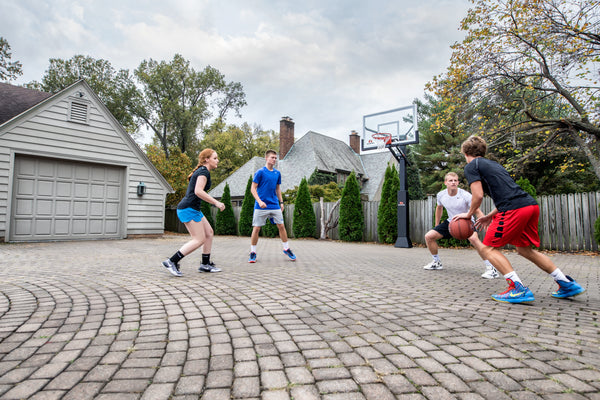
x=517 y=227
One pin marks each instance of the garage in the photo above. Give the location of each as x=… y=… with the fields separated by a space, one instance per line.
x=54 y=199
x=70 y=171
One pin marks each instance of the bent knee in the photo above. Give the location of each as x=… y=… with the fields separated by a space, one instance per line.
x=432 y=235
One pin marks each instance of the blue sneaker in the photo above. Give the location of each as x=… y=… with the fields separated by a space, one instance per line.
x=516 y=293
x=289 y=253
x=568 y=289
x=252 y=258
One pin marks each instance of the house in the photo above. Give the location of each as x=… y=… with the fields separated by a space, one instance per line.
x=315 y=151
x=70 y=171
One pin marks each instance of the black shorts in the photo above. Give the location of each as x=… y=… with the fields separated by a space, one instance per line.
x=444 y=229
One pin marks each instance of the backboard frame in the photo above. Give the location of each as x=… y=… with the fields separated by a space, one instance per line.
x=392 y=121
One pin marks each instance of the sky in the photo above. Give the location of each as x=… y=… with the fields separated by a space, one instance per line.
x=324 y=63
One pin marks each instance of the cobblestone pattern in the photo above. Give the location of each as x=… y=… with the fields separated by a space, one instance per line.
x=104 y=320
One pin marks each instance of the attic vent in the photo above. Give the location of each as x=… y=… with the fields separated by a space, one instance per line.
x=78 y=112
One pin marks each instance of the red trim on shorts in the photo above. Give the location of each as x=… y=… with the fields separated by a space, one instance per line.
x=517 y=227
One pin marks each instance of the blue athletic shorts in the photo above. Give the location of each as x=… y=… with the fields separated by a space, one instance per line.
x=188 y=214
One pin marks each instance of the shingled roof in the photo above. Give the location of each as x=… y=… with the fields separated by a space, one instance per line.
x=16 y=99
x=314 y=151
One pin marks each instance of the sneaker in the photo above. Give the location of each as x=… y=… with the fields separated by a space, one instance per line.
x=568 y=289
x=252 y=258
x=516 y=293
x=490 y=272
x=210 y=267
x=434 y=265
x=289 y=253
x=172 y=267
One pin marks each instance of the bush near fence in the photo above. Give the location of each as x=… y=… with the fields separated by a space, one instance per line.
x=566 y=220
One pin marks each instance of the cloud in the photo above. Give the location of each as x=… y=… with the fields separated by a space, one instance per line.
x=324 y=63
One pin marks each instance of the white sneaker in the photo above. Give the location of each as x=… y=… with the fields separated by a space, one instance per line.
x=210 y=267
x=172 y=267
x=434 y=265
x=490 y=273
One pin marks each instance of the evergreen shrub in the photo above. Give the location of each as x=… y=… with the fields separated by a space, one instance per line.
x=305 y=221
x=247 y=211
x=351 y=221
x=225 y=224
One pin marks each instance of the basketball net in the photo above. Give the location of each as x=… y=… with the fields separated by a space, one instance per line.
x=382 y=139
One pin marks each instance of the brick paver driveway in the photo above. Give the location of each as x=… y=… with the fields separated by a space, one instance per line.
x=104 y=320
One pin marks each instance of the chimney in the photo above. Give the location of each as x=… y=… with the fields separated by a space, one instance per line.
x=286 y=136
x=355 y=142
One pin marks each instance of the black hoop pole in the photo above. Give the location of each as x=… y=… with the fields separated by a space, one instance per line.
x=403 y=239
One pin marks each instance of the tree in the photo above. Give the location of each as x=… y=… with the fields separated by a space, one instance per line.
x=206 y=209
x=440 y=137
x=351 y=222
x=331 y=221
x=559 y=168
x=387 y=213
x=9 y=70
x=413 y=176
x=539 y=52
x=321 y=178
x=305 y=222
x=225 y=224
x=527 y=186
x=247 y=211
x=236 y=145
x=177 y=100
x=116 y=89
x=175 y=171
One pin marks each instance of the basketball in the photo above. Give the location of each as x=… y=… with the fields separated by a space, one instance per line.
x=461 y=228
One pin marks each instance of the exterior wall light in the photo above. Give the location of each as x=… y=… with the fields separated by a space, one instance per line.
x=141 y=189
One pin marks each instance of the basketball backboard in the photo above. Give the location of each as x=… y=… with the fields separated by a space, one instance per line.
x=395 y=127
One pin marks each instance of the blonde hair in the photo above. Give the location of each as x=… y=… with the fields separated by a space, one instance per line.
x=202 y=157
x=450 y=174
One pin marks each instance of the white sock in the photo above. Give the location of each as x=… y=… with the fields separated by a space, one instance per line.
x=436 y=258
x=488 y=263
x=558 y=275
x=513 y=277
x=252 y=249
x=285 y=245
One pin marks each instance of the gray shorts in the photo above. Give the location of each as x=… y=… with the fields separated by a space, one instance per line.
x=259 y=218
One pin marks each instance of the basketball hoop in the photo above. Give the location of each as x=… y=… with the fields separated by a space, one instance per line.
x=382 y=139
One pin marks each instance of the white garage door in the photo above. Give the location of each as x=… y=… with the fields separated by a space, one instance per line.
x=62 y=200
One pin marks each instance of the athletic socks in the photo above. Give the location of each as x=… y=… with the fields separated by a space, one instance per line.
x=487 y=263
x=252 y=249
x=286 y=246
x=177 y=257
x=558 y=275
x=436 y=258
x=206 y=259
x=513 y=277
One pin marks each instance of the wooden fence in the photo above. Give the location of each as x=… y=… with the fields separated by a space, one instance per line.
x=566 y=221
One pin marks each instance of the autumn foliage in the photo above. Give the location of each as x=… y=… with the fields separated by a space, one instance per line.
x=175 y=170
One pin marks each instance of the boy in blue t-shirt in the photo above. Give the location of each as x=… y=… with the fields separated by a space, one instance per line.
x=266 y=189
